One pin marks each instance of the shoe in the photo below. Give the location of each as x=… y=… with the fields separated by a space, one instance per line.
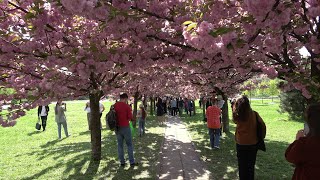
x=134 y=164
x=216 y=147
x=123 y=165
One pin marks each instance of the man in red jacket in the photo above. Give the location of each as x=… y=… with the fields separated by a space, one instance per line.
x=124 y=115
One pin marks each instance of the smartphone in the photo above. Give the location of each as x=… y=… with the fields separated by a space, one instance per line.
x=306 y=129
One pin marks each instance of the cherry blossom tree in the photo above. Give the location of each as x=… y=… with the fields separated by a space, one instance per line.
x=270 y=34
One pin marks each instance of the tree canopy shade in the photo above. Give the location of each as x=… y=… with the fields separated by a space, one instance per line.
x=57 y=49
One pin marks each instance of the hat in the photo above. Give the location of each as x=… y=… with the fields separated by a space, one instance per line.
x=141 y=106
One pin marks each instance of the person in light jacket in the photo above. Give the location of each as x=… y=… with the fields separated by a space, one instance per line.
x=60 y=117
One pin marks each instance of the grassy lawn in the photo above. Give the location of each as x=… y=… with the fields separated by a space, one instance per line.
x=270 y=165
x=28 y=154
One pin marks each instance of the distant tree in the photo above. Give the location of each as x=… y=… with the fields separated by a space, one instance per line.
x=294 y=103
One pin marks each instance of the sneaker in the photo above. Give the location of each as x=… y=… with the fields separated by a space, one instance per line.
x=134 y=164
x=122 y=165
x=216 y=147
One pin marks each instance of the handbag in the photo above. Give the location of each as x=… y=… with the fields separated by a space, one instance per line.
x=38 y=125
x=260 y=145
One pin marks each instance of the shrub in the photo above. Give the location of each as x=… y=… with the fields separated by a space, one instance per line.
x=294 y=103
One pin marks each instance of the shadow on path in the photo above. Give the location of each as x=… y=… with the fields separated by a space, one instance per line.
x=179 y=160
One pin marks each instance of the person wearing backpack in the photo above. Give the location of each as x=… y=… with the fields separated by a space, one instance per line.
x=123 y=132
x=246 y=136
x=141 y=116
x=213 y=114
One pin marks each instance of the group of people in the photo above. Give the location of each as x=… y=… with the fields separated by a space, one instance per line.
x=303 y=152
x=60 y=117
x=174 y=106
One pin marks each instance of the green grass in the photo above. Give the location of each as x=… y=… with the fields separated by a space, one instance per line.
x=28 y=154
x=270 y=165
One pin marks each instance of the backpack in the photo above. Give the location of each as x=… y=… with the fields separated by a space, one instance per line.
x=215 y=123
x=111 y=119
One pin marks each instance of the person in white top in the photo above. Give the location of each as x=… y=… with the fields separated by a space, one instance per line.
x=43 y=114
x=88 y=110
x=220 y=101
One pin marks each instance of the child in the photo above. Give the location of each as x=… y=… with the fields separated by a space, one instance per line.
x=141 y=115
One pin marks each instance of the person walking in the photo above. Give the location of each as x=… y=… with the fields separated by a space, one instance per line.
x=124 y=115
x=173 y=105
x=160 y=112
x=186 y=105
x=180 y=106
x=141 y=116
x=60 y=118
x=190 y=107
x=246 y=136
x=213 y=114
x=304 y=151
x=43 y=114
x=88 y=110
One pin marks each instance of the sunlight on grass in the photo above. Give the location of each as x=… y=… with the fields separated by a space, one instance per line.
x=270 y=165
x=28 y=154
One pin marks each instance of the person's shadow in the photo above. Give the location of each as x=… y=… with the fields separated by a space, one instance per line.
x=34 y=132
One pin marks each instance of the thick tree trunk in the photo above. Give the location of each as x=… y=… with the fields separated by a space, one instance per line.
x=95 y=125
x=225 y=115
x=151 y=106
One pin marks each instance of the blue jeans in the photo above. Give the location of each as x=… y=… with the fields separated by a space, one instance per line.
x=124 y=133
x=65 y=127
x=214 y=137
x=141 y=126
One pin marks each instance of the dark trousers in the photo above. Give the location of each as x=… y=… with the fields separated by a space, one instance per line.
x=246 y=155
x=44 y=121
x=173 y=111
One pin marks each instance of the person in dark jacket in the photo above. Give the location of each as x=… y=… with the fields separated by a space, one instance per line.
x=43 y=114
x=160 y=112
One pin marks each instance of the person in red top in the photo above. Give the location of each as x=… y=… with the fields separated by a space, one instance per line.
x=124 y=115
x=304 y=151
x=213 y=121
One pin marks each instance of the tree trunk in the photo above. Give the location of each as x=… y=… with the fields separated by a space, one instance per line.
x=151 y=106
x=95 y=125
x=194 y=108
x=154 y=104
x=135 y=108
x=225 y=114
x=203 y=109
x=145 y=102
